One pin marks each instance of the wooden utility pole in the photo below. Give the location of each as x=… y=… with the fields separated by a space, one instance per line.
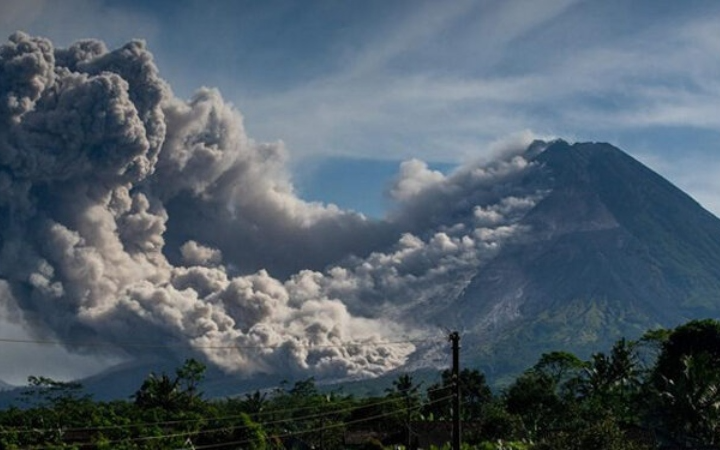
x=455 y=339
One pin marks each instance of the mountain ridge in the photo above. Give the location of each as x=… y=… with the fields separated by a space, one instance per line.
x=612 y=250
x=617 y=249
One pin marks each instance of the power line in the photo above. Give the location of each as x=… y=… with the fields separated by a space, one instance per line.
x=198 y=420
x=241 y=427
x=331 y=426
x=354 y=407
x=282 y=435
x=256 y=416
x=213 y=347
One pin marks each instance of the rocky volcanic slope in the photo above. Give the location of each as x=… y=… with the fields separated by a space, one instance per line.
x=614 y=249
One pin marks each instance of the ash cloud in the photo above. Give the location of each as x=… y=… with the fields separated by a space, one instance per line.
x=127 y=213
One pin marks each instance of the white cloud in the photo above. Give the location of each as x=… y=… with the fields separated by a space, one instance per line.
x=638 y=78
x=414 y=177
x=442 y=84
x=139 y=214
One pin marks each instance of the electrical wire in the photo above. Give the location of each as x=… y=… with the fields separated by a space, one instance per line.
x=255 y=416
x=240 y=427
x=329 y=427
x=292 y=419
x=210 y=347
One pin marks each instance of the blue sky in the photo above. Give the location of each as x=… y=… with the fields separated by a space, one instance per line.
x=443 y=82
x=352 y=89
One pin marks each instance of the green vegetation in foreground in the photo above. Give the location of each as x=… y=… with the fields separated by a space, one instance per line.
x=662 y=390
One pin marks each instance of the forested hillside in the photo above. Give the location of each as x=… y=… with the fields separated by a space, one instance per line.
x=662 y=391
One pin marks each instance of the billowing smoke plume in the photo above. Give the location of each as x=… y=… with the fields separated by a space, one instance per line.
x=128 y=215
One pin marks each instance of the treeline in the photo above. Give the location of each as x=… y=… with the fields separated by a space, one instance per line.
x=661 y=391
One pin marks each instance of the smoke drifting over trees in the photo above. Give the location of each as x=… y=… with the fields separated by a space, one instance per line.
x=129 y=215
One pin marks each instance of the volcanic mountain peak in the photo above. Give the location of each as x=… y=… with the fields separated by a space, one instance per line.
x=609 y=171
x=163 y=220
x=614 y=249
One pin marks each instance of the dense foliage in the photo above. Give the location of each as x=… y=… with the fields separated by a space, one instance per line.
x=660 y=391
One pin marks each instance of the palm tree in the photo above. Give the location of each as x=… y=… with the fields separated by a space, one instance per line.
x=255 y=402
x=691 y=401
x=158 y=392
x=612 y=382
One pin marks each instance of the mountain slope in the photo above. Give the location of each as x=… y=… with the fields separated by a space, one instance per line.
x=615 y=250
x=610 y=249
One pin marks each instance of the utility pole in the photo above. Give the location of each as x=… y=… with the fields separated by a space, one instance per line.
x=455 y=340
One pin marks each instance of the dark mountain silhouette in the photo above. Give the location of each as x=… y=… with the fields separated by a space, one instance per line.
x=615 y=250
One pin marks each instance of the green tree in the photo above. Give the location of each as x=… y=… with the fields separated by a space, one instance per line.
x=240 y=432
x=533 y=398
x=544 y=397
x=172 y=393
x=692 y=338
x=602 y=434
x=407 y=392
x=44 y=391
x=561 y=368
x=686 y=382
x=159 y=392
x=649 y=347
x=475 y=395
x=612 y=383
x=254 y=403
x=693 y=397
x=189 y=377
x=304 y=389
x=307 y=415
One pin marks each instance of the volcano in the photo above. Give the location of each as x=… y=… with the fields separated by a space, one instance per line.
x=615 y=250
x=137 y=226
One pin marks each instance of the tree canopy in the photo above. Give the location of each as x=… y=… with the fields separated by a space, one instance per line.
x=628 y=398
